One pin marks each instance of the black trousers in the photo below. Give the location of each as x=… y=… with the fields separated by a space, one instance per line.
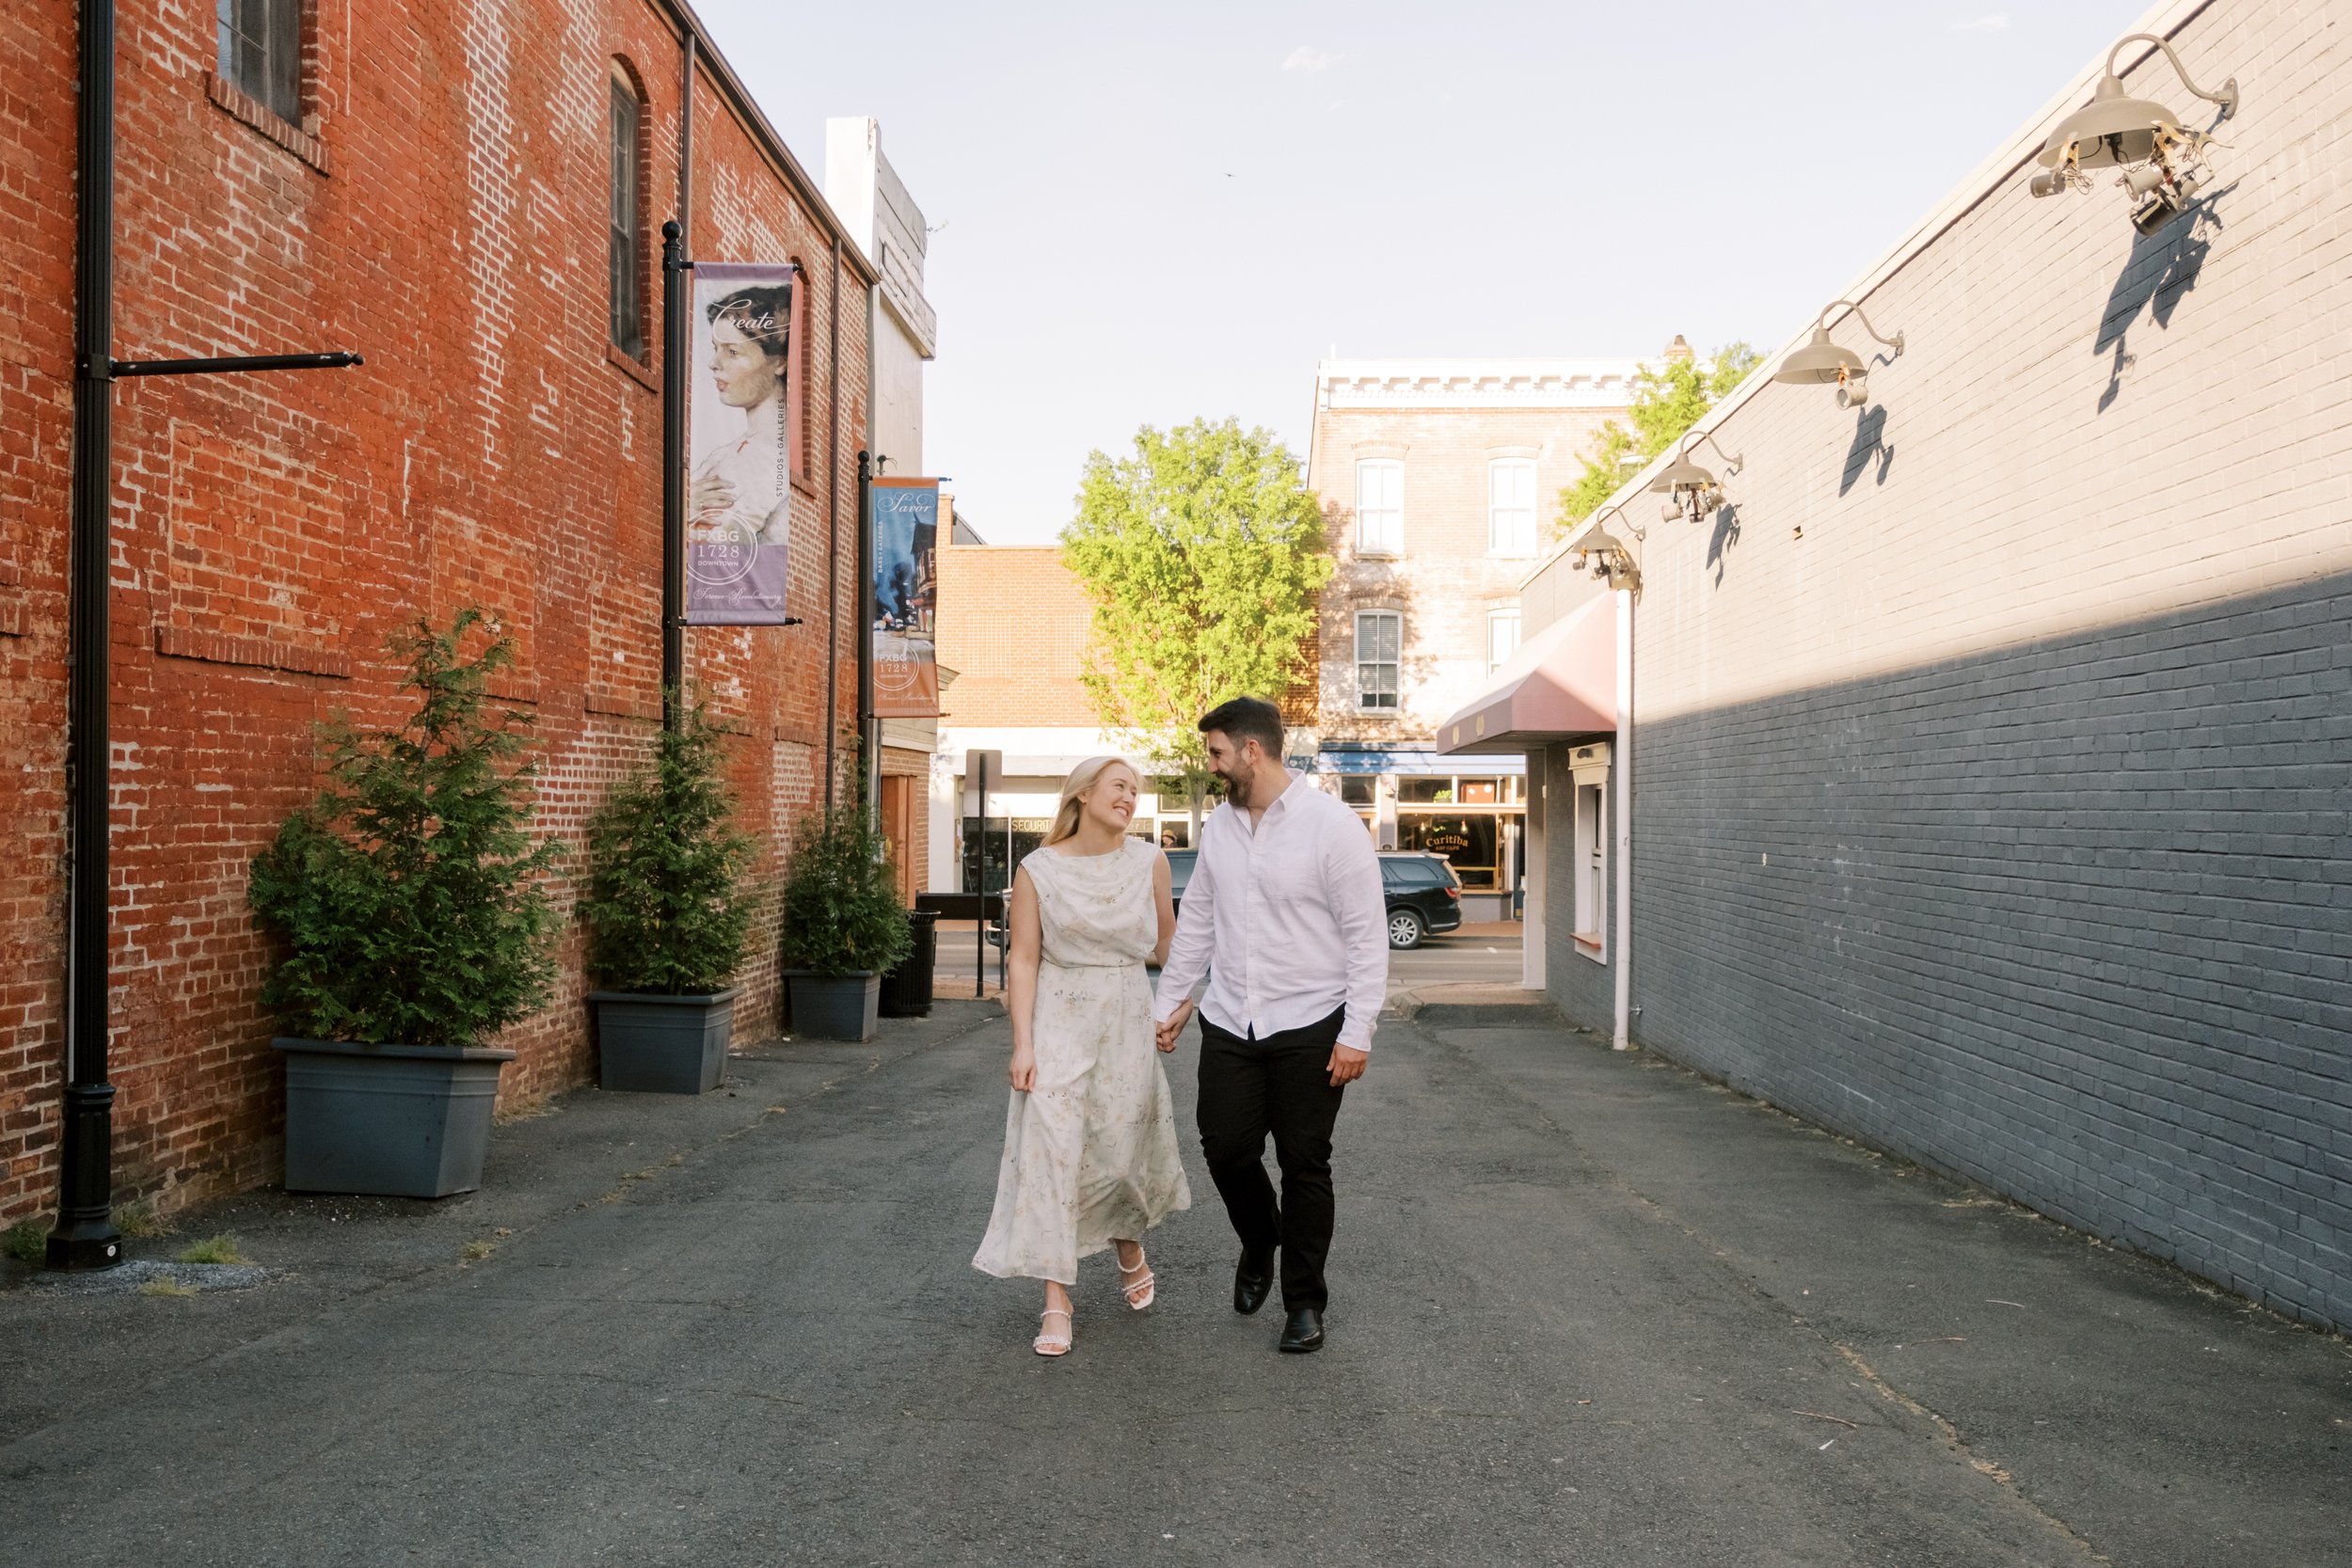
x=1280 y=1084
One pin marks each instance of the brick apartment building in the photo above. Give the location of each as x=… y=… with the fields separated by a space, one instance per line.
x=1439 y=479
x=472 y=200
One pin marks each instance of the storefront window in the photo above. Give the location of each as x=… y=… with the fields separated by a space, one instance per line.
x=1424 y=792
x=1469 y=843
x=989 y=860
x=1356 y=788
x=1476 y=792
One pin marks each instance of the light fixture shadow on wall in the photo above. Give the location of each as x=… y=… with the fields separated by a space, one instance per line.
x=1606 y=556
x=2163 y=162
x=1691 y=491
x=1822 y=362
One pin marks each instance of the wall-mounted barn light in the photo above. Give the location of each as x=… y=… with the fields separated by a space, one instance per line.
x=1605 y=555
x=1691 y=491
x=1824 y=363
x=2163 y=162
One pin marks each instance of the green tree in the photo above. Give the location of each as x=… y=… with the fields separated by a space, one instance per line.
x=1666 y=403
x=841 y=910
x=1202 y=553
x=668 y=908
x=410 y=895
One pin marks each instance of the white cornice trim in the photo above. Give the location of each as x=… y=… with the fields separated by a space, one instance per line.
x=1476 y=383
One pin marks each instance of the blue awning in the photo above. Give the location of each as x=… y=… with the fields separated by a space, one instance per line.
x=1342 y=758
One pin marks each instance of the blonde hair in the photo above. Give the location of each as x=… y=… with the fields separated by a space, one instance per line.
x=1074 y=789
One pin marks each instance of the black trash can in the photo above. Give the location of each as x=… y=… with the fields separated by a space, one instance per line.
x=906 y=991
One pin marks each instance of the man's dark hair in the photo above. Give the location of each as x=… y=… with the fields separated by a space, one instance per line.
x=1248 y=719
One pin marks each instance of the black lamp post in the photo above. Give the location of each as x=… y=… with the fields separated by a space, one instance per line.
x=84 y=1236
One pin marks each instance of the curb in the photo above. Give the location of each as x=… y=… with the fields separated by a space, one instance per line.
x=1536 y=1012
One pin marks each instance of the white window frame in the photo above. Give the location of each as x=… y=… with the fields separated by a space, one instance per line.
x=1394 y=662
x=1496 y=618
x=1380 y=522
x=1511 y=527
x=1588 y=907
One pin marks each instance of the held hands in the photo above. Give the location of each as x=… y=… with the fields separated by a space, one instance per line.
x=1023 y=1072
x=1169 y=1033
x=1347 y=1065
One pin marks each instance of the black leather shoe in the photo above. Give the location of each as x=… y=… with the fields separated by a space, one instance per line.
x=1252 y=1278
x=1303 y=1331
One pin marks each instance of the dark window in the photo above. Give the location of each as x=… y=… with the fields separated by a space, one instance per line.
x=1469 y=843
x=1356 y=788
x=260 y=53
x=629 y=300
x=1380 y=638
x=1426 y=791
x=989 y=859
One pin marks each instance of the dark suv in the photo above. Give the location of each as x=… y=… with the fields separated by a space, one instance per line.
x=1424 y=896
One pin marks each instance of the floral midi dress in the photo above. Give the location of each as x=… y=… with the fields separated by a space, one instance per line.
x=1090 y=1152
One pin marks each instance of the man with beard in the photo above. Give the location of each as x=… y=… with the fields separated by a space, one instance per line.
x=1286 y=917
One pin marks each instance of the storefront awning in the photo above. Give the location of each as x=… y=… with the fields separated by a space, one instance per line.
x=1340 y=757
x=1561 y=683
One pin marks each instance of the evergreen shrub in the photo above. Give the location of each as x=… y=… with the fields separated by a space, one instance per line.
x=668 y=908
x=410 y=895
x=841 y=910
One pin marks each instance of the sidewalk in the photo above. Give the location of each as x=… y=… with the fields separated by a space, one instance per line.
x=1587 y=1309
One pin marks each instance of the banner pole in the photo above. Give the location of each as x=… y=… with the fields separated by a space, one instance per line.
x=674 y=311
x=868 y=753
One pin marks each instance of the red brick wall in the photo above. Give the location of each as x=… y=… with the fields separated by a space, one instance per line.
x=443 y=209
x=1014 y=625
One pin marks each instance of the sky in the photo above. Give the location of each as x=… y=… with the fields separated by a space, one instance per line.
x=1148 y=214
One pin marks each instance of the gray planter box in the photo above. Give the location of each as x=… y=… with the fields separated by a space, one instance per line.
x=649 y=1044
x=390 y=1120
x=834 y=1006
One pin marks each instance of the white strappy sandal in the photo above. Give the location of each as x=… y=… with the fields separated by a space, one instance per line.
x=1140 y=1292
x=1052 y=1344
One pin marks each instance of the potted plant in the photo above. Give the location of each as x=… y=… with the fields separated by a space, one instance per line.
x=409 y=899
x=668 y=913
x=843 y=925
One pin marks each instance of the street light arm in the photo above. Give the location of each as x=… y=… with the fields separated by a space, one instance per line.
x=2227 y=97
x=1631 y=526
x=1732 y=460
x=1896 y=343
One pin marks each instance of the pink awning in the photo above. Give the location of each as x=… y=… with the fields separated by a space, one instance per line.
x=1561 y=684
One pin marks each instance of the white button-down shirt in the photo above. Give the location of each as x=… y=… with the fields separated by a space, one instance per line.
x=1287 y=920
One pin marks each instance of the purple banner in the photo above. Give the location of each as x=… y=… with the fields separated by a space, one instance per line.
x=744 y=435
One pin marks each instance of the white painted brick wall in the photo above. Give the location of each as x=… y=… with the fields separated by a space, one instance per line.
x=2045 y=720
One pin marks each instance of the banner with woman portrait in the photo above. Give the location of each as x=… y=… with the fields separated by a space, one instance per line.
x=742 y=430
x=906 y=597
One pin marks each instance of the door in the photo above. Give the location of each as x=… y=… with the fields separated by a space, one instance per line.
x=897 y=821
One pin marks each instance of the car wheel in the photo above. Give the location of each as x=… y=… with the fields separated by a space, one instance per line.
x=1403 y=929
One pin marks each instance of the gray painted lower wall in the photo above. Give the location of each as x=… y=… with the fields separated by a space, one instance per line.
x=2073 y=920
x=1584 y=991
